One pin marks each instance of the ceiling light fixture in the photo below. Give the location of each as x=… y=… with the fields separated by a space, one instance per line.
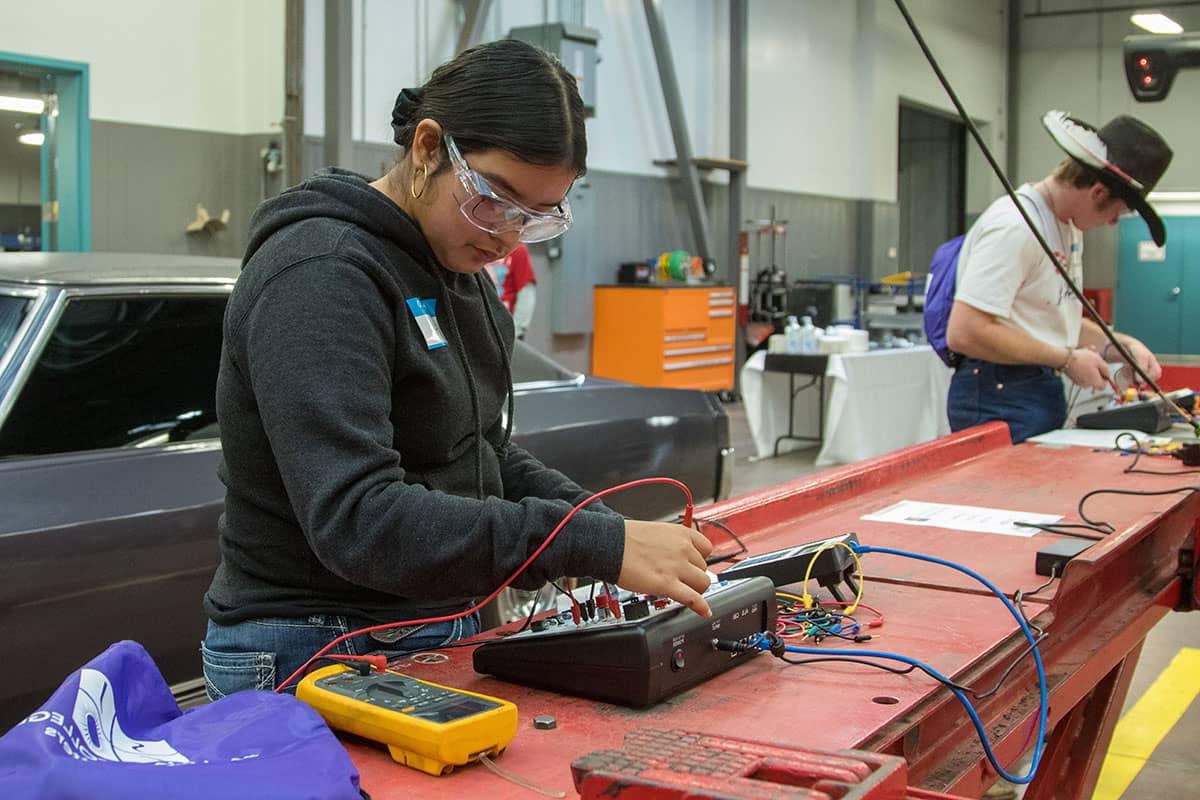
x=34 y=138
x=22 y=105
x=1156 y=23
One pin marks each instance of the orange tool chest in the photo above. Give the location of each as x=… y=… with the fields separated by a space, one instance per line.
x=676 y=336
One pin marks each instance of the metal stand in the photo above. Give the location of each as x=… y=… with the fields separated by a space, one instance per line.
x=793 y=365
x=819 y=382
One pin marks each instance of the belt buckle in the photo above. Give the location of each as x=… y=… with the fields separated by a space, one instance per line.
x=393 y=635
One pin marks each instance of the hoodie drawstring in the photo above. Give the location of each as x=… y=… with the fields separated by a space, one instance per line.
x=471 y=388
x=508 y=423
x=462 y=357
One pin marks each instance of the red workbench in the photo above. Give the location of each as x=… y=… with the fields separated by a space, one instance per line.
x=1096 y=617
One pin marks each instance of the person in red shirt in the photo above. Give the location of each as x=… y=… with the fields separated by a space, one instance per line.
x=517 y=285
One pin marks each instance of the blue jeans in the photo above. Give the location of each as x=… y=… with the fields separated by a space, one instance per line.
x=1029 y=398
x=261 y=653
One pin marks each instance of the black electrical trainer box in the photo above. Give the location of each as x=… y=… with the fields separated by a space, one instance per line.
x=636 y=662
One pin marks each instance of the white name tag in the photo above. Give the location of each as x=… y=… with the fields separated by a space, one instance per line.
x=425 y=313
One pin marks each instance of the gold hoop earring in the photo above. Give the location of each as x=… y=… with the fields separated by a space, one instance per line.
x=424 y=181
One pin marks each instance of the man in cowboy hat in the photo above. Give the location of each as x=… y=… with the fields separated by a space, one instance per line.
x=1014 y=324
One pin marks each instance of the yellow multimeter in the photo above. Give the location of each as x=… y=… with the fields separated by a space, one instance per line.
x=425 y=725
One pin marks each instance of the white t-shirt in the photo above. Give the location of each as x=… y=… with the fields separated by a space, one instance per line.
x=1003 y=271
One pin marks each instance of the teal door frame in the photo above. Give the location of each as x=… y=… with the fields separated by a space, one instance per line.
x=73 y=176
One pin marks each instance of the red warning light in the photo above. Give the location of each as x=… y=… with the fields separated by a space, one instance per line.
x=1147 y=80
x=1143 y=62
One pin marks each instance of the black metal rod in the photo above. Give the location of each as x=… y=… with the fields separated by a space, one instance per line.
x=679 y=131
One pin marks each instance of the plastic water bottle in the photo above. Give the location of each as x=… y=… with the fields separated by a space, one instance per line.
x=808 y=336
x=794 y=335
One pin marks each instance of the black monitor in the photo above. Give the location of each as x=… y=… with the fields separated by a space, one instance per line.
x=813 y=299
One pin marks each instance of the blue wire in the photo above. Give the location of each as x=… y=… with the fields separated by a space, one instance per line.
x=1037 y=660
x=971 y=712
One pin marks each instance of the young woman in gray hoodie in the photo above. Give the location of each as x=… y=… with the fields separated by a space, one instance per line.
x=363 y=384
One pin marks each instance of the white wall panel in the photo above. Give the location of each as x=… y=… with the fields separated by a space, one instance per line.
x=215 y=65
x=826 y=81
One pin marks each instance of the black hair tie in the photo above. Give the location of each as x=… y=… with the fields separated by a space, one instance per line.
x=408 y=103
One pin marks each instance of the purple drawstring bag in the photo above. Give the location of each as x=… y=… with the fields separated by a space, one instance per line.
x=113 y=730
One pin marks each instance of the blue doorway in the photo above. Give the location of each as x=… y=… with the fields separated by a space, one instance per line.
x=65 y=147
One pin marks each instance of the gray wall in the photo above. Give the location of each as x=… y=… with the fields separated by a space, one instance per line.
x=147 y=180
x=1075 y=63
x=370 y=159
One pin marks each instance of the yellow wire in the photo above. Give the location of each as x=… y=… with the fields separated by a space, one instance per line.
x=806 y=598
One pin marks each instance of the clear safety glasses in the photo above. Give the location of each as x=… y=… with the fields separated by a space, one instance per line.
x=490 y=212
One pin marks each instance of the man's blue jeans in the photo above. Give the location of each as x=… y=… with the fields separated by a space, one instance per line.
x=262 y=653
x=1029 y=398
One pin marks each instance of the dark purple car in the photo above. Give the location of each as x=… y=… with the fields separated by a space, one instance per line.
x=109 y=446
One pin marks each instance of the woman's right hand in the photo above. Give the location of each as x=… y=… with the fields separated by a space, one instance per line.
x=666 y=559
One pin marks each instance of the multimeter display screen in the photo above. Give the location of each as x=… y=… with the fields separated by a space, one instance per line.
x=452 y=711
x=404 y=695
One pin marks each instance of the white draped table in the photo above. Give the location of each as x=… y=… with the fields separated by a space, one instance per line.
x=876 y=402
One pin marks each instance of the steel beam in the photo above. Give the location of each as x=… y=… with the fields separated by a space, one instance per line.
x=293 y=93
x=683 y=146
x=339 y=84
x=477 y=12
x=739 y=34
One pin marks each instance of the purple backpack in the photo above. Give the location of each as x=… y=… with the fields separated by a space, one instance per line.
x=113 y=730
x=939 y=294
x=939 y=297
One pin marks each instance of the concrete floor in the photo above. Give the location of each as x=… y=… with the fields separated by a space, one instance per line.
x=1172 y=769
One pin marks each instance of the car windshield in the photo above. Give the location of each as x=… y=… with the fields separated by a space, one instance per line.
x=12 y=314
x=530 y=366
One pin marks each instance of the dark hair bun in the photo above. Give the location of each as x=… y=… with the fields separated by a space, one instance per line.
x=408 y=105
